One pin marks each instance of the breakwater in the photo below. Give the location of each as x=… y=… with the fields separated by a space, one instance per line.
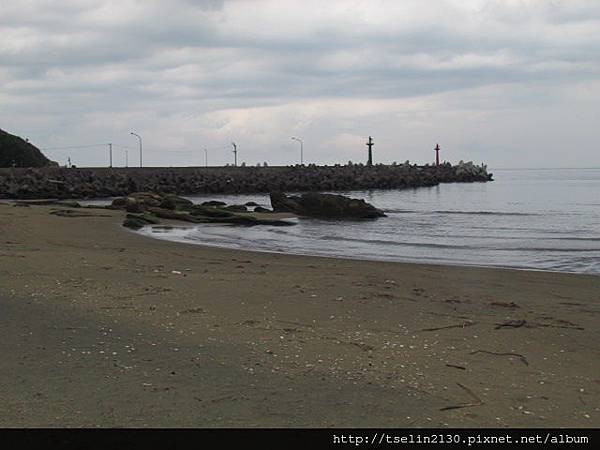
x=51 y=182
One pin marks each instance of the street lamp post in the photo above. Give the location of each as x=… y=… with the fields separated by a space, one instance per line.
x=140 y=139
x=301 y=149
x=205 y=157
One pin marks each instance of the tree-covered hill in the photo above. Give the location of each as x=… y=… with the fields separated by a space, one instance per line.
x=16 y=152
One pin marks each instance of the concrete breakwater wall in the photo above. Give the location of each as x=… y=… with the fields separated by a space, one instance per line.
x=108 y=182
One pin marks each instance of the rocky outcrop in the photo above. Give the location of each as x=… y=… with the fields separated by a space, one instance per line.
x=313 y=204
x=115 y=182
x=172 y=201
x=213 y=203
x=210 y=211
x=238 y=208
x=140 y=201
x=137 y=221
x=178 y=215
x=146 y=208
x=16 y=152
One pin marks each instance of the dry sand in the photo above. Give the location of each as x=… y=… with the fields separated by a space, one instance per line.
x=104 y=327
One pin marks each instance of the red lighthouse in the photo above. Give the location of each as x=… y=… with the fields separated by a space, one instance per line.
x=437 y=154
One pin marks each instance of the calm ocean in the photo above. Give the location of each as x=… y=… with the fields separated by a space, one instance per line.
x=544 y=219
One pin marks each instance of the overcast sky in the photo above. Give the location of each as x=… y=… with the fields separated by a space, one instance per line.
x=512 y=83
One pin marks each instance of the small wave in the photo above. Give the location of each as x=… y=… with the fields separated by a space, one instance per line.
x=588 y=239
x=528 y=229
x=486 y=213
x=472 y=213
x=458 y=246
x=392 y=243
x=392 y=210
x=545 y=249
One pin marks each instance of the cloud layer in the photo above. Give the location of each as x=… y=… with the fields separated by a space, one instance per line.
x=495 y=81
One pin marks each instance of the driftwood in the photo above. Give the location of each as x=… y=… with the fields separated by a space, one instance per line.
x=468 y=323
x=518 y=355
x=505 y=304
x=523 y=323
x=454 y=366
x=477 y=401
x=570 y=326
x=511 y=324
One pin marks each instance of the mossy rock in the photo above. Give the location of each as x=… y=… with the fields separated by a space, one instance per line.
x=147 y=198
x=171 y=201
x=149 y=219
x=176 y=215
x=119 y=203
x=213 y=203
x=134 y=223
x=236 y=208
x=208 y=211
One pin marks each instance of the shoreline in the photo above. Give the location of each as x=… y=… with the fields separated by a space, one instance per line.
x=348 y=258
x=110 y=328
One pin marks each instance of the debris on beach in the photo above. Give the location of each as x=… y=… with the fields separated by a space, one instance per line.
x=476 y=400
x=522 y=358
x=465 y=324
x=511 y=324
x=505 y=304
x=558 y=323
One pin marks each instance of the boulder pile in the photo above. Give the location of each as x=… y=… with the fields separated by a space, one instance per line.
x=62 y=183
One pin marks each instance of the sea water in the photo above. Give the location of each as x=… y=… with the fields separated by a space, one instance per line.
x=543 y=219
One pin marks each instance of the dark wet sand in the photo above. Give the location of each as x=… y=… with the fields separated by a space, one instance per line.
x=104 y=327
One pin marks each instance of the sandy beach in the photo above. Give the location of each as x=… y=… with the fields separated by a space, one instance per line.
x=105 y=327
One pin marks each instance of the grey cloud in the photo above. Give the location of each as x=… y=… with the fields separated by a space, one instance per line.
x=191 y=57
